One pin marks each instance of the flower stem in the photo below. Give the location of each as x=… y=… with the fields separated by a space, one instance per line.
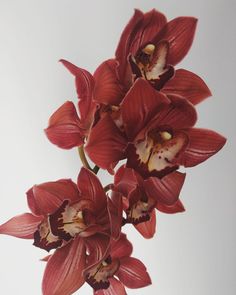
x=108 y=187
x=83 y=157
x=96 y=169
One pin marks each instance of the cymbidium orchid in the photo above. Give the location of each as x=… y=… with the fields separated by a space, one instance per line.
x=140 y=201
x=157 y=135
x=136 y=107
x=150 y=47
x=69 y=218
x=117 y=270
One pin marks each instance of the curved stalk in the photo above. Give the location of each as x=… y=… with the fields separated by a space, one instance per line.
x=83 y=157
x=96 y=169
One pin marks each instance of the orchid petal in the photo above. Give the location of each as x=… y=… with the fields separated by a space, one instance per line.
x=179 y=33
x=64 y=271
x=121 y=248
x=126 y=39
x=139 y=105
x=91 y=188
x=108 y=89
x=177 y=207
x=22 y=226
x=187 y=85
x=85 y=86
x=167 y=189
x=203 y=143
x=148 y=228
x=132 y=273
x=45 y=198
x=115 y=215
x=64 y=130
x=106 y=144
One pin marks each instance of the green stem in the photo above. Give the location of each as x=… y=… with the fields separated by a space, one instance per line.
x=83 y=157
x=96 y=169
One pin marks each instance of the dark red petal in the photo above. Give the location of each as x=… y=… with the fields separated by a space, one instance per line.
x=64 y=127
x=126 y=180
x=132 y=273
x=45 y=198
x=108 y=89
x=167 y=189
x=84 y=86
x=121 y=248
x=98 y=247
x=178 y=115
x=180 y=33
x=106 y=144
x=177 y=207
x=64 y=271
x=22 y=226
x=126 y=39
x=139 y=105
x=187 y=85
x=91 y=188
x=115 y=288
x=203 y=143
x=115 y=210
x=153 y=22
x=148 y=228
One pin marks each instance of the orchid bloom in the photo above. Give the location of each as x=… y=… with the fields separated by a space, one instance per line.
x=158 y=134
x=139 y=202
x=150 y=47
x=66 y=129
x=70 y=218
x=116 y=270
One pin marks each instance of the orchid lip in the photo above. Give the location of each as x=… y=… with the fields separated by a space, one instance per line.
x=44 y=238
x=98 y=276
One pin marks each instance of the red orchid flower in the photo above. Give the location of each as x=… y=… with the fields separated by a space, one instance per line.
x=66 y=129
x=116 y=270
x=158 y=134
x=139 y=202
x=150 y=47
x=71 y=218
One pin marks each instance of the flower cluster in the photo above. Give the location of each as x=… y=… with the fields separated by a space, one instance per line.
x=136 y=107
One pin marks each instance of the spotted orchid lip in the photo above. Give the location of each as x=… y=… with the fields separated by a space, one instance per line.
x=73 y=219
x=98 y=276
x=44 y=238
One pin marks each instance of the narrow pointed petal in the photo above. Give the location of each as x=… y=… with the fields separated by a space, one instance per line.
x=85 y=86
x=21 y=226
x=115 y=288
x=108 y=89
x=64 y=127
x=177 y=207
x=115 y=215
x=139 y=105
x=91 y=188
x=167 y=189
x=133 y=274
x=121 y=248
x=45 y=198
x=203 y=144
x=148 y=228
x=106 y=144
x=180 y=33
x=187 y=85
x=64 y=271
x=127 y=37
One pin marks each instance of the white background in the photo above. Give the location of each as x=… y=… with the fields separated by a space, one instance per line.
x=192 y=253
